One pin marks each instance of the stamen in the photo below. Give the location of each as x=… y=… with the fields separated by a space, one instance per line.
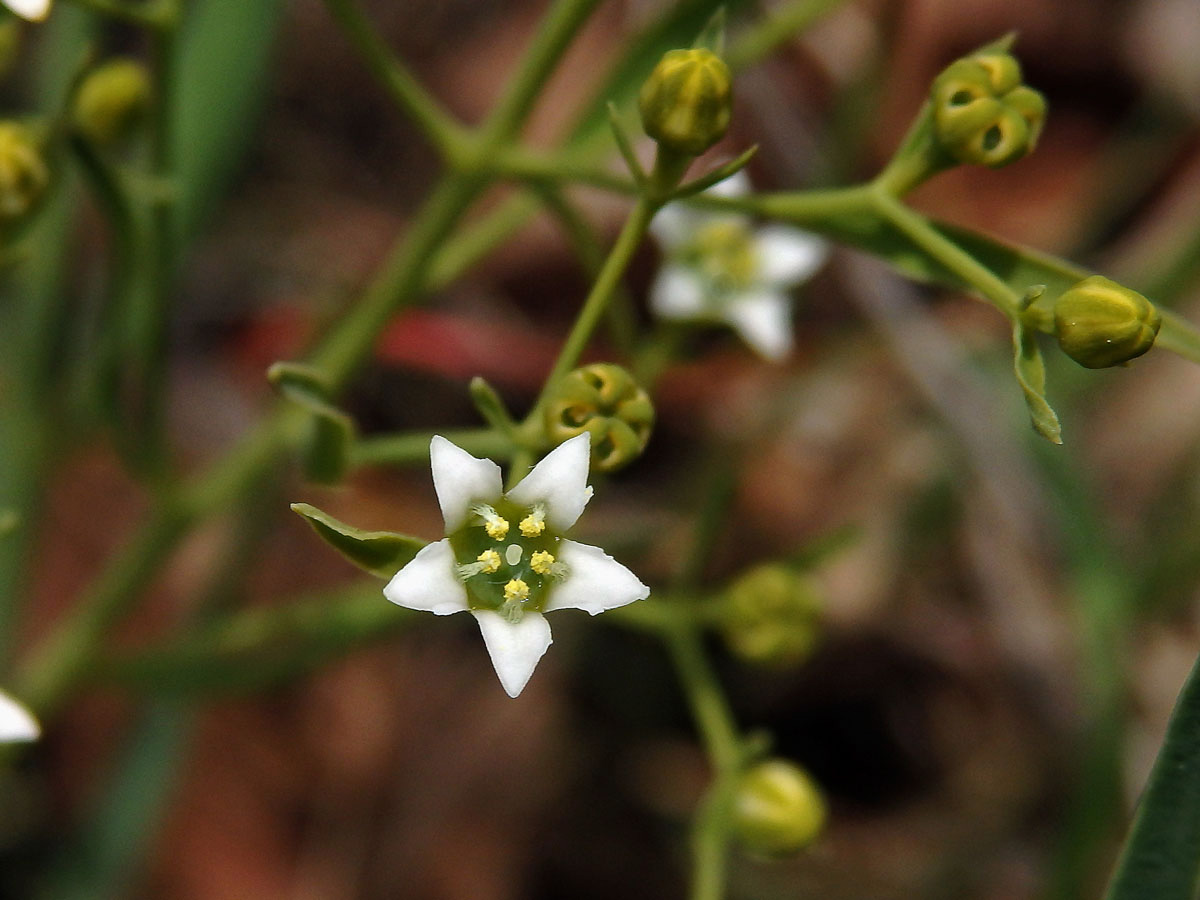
x=534 y=523
x=516 y=590
x=495 y=525
x=512 y=611
x=512 y=554
x=543 y=563
x=487 y=563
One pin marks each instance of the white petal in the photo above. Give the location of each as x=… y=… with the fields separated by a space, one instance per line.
x=34 y=10
x=16 y=722
x=788 y=256
x=674 y=225
x=677 y=293
x=763 y=319
x=429 y=582
x=560 y=482
x=460 y=480
x=736 y=185
x=595 y=581
x=514 y=649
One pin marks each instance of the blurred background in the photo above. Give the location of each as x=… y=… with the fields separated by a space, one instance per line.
x=1005 y=624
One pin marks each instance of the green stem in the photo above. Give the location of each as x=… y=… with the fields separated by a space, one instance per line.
x=917 y=229
x=602 y=291
x=406 y=449
x=437 y=125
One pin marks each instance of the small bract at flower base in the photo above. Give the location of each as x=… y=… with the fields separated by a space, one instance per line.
x=34 y=10
x=17 y=724
x=721 y=268
x=505 y=558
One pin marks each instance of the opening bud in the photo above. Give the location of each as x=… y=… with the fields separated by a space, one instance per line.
x=1100 y=323
x=982 y=113
x=23 y=172
x=112 y=101
x=687 y=101
x=602 y=399
x=778 y=810
x=771 y=616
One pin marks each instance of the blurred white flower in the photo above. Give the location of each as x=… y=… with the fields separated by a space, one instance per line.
x=34 y=10
x=719 y=267
x=17 y=724
x=505 y=559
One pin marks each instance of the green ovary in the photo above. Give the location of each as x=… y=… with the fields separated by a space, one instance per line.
x=725 y=254
x=510 y=574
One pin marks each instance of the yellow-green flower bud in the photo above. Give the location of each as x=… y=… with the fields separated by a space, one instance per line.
x=771 y=616
x=112 y=100
x=1100 y=323
x=23 y=172
x=687 y=100
x=604 y=400
x=778 y=809
x=983 y=114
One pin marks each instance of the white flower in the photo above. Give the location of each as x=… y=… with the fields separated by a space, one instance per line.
x=505 y=559
x=34 y=10
x=16 y=722
x=719 y=267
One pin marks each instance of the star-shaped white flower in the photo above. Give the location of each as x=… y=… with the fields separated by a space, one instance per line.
x=17 y=724
x=719 y=267
x=34 y=10
x=505 y=559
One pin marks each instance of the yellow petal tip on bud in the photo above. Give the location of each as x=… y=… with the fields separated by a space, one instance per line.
x=687 y=101
x=23 y=172
x=778 y=809
x=112 y=100
x=1100 y=323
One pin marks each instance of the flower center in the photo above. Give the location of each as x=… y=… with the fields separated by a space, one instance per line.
x=724 y=253
x=508 y=570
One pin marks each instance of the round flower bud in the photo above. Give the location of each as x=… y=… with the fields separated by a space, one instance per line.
x=1100 y=323
x=983 y=114
x=771 y=616
x=687 y=100
x=604 y=400
x=112 y=100
x=778 y=809
x=23 y=172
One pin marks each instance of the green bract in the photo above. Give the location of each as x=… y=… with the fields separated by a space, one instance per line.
x=983 y=114
x=23 y=172
x=687 y=101
x=605 y=401
x=1100 y=323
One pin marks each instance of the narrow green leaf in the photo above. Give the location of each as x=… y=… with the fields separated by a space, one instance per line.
x=221 y=75
x=328 y=448
x=1161 y=857
x=1031 y=375
x=382 y=553
x=712 y=37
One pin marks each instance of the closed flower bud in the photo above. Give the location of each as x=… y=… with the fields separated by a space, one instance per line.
x=778 y=810
x=23 y=172
x=112 y=100
x=983 y=114
x=1100 y=323
x=687 y=100
x=605 y=401
x=771 y=616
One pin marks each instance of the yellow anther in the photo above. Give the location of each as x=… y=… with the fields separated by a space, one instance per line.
x=515 y=590
x=490 y=560
x=534 y=523
x=496 y=528
x=541 y=562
